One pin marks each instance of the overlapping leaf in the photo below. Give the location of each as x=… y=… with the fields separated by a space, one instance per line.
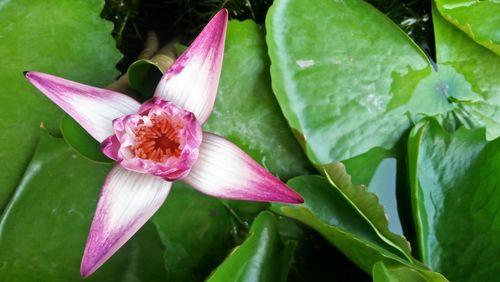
x=479 y=19
x=367 y=205
x=327 y=211
x=456 y=200
x=383 y=273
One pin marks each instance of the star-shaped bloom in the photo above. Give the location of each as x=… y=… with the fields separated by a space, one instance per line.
x=159 y=142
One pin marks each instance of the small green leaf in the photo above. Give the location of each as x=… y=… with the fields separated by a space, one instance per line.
x=383 y=273
x=262 y=257
x=454 y=184
x=81 y=141
x=478 y=19
x=197 y=231
x=64 y=38
x=245 y=109
x=143 y=77
x=44 y=229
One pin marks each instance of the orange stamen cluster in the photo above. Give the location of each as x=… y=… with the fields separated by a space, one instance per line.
x=158 y=141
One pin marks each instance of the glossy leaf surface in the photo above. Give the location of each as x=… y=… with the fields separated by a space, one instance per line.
x=454 y=180
x=478 y=19
x=361 y=83
x=65 y=38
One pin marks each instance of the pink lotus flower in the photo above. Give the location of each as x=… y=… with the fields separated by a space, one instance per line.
x=159 y=142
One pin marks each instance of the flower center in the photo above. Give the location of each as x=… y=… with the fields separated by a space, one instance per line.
x=159 y=140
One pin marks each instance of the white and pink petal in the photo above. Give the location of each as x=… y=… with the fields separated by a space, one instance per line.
x=93 y=108
x=128 y=199
x=191 y=82
x=223 y=170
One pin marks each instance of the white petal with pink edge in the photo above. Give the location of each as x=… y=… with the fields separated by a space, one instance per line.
x=223 y=170
x=191 y=82
x=93 y=108
x=128 y=199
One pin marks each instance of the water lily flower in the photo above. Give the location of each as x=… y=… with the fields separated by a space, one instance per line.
x=159 y=142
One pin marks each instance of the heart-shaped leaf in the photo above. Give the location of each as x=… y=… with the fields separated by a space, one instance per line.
x=348 y=80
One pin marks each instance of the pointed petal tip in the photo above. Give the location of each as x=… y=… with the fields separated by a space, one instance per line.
x=192 y=81
x=222 y=13
x=223 y=170
x=296 y=198
x=85 y=269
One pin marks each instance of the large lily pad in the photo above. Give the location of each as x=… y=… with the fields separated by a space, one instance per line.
x=44 y=229
x=454 y=179
x=348 y=80
x=479 y=19
x=65 y=38
x=246 y=111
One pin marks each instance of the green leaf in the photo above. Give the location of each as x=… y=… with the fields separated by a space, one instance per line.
x=197 y=231
x=367 y=205
x=478 y=19
x=383 y=273
x=262 y=257
x=246 y=111
x=44 y=229
x=454 y=182
x=327 y=211
x=143 y=76
x=65 y=38
x=348 y=85
x=81 y=141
